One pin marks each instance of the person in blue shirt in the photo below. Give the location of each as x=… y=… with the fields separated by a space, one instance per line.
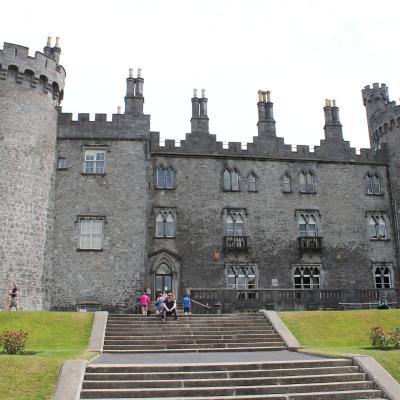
x=186 y=304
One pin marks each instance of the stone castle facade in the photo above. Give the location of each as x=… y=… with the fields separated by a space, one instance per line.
x=94 y=211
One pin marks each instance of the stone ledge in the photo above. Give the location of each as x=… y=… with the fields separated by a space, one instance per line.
x=282 y=330
x=379 y=375
x=96 y=340
x=70 y=380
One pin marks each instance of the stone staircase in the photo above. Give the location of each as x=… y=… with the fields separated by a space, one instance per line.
x=334 y=379
x=198 y=333
x=139 y=348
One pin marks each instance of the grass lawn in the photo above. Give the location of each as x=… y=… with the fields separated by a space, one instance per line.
x=53 y=338
x=344 y=332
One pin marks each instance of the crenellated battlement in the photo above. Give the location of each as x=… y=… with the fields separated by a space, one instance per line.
x=42 y=70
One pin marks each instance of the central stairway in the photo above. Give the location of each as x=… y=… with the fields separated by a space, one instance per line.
x=225 y=332
x=239 y=363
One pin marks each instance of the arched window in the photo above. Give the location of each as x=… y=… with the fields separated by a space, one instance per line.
x=302 y=226
x=165 y=224
x=372 y=184
x=307 y=225
x=306 y=182
x=252 y=182
x=377 y=227
x=383 y=277
x=286 y=184
x=241 y=277
x=234 y=223
x=312 y=226
x=306 y=277
x=231 y=180
x=165 y=177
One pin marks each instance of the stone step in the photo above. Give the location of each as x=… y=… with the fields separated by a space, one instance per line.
x=195 y=349
x=228 y=391
x=224 y=382
x=115 y=342
x=170 y=368
x=95 y=376
x=267 y=335
x=183 y=330
x=342 y=395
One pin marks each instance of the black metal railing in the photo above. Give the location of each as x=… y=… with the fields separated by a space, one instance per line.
x=236 y=243
x=312 y=243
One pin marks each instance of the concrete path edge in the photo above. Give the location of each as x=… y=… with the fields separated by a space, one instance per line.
x=379 y=375
x=98 y=331
x=282 y=330
x=70 y=380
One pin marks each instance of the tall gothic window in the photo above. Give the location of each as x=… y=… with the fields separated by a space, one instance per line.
x=165 y=224
x=252 y=182
x=307 y=225
x=241 y=277
x=306 y=182
x=377 y=227
x=286 y=184
x=234 y=223
x=231 y=180
x=372 y=184
x=383 y=276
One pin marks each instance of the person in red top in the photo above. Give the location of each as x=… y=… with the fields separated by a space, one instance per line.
x=144 y=301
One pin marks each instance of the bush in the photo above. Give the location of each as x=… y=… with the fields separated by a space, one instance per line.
x=13 y=342
x=382 y=340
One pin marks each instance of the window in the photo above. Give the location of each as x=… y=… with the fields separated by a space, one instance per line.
x=241 y=277
x=306 y=277
x=377 y=227
x=231 y=180
x=286 y=184
x=382 y=275
x=165 y=177
x=306 y=182
x=91 y=233
x=95 y=162
x=234 y=223
x=62 y=163
x=165 y=224
x=372 y=184
x=252 y=182
x=307 y=222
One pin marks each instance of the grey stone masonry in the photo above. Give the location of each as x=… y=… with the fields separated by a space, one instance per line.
x=30 y=89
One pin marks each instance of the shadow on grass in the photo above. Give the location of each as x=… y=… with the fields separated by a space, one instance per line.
x=21 y=353
x=381 y=349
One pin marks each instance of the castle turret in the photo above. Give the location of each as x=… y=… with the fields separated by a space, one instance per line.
x=266 y=122
x=30 y=90
x=199 y=120
x=333 y=127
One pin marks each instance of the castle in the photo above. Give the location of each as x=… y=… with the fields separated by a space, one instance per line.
x=94 y=211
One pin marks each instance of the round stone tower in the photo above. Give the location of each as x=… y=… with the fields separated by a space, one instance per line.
x=30 y=90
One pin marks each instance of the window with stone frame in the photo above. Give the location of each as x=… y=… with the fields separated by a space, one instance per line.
x=94 y=162
x=252 y=181
x=241 y=276
x=377 y=229
x=91 y=232
x=165 y=177
x=234 y=222
x=231 y=180
x=307 y=184
x=306 y=277
x=286 y=183
x=382 y=275
x=372 y=184
x=165 y=226
x=307 y=221
x=62 y=163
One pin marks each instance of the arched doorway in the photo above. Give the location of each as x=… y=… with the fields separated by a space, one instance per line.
x=163 y=279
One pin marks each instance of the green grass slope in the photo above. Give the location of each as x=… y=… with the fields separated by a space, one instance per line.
x=53 y=338
x=345 y=332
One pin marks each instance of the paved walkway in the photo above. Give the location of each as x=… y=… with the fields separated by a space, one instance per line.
x=206 y=357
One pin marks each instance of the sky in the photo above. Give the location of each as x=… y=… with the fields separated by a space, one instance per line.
x=302 y=51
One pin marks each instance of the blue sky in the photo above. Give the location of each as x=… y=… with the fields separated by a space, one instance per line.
x=303 y=51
